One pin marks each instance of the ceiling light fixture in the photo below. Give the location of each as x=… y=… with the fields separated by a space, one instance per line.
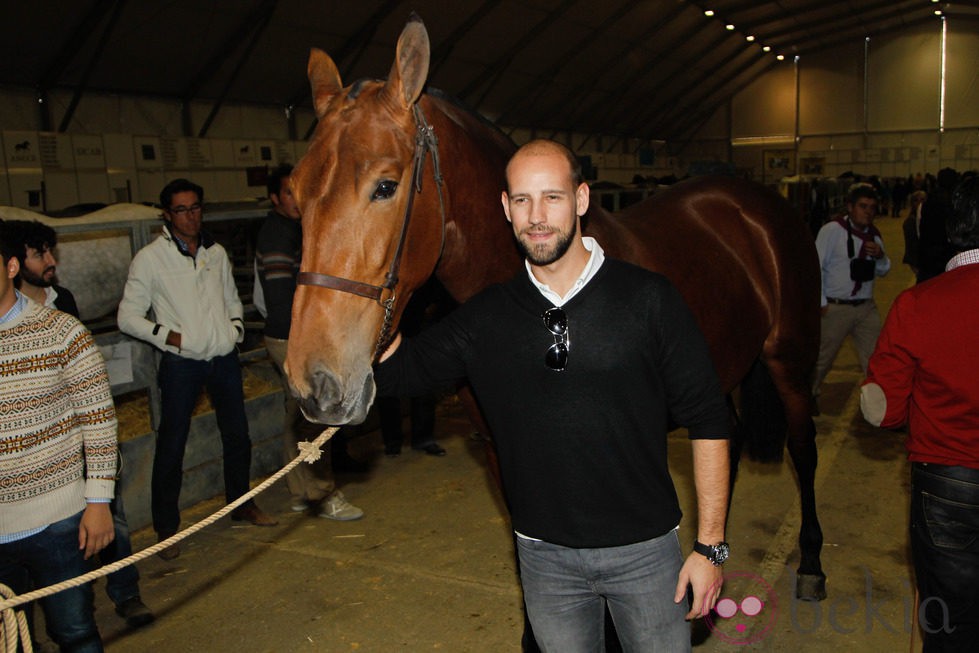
x=708 y=12
x=729 y=26
x=780 y=57
x=749 y=38
x=765 y=48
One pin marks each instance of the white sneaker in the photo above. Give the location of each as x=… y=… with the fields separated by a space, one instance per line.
x=337 y=507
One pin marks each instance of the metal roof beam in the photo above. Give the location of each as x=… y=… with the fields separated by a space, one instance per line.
x=535 y=88
x=655 y=119
x=69 y=49
x=262 y=22
x=567 y=98
x=220 y=56
x=66 y=54
x=87 y=74
x=617 y=109
x=441 y=53
x=503 y=61
x=357 y=42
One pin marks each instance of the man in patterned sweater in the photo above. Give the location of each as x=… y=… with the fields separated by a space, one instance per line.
x=57 y=455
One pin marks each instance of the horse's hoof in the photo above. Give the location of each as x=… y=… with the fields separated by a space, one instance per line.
x=810 y=587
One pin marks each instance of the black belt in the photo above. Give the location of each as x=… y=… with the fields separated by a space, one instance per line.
x=846 y=302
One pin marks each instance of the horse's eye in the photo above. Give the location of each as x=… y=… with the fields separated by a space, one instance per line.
x=385 y=190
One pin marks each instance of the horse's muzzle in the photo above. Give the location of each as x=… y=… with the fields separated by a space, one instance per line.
x=330 y=403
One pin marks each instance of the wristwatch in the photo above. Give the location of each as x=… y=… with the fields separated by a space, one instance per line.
x=716 y=553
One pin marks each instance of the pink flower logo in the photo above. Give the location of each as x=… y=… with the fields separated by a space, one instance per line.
x=747 y=610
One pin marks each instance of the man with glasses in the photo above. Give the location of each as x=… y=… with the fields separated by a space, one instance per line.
x=580 y=363
x=185 y=278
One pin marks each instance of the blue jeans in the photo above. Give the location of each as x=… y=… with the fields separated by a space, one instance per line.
x=945 y=552
x=47 y=558
x=181 y=380
x=566 y=591
x=123 y=584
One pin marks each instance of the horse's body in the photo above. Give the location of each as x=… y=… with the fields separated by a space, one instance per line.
x=744 y=263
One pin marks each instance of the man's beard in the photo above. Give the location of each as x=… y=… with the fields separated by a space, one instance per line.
x=38 y=281
x=544 y=253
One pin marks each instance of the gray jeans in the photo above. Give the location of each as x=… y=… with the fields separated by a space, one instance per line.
x=566 y=591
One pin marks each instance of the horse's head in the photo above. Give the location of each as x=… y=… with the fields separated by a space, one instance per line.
x=362 y=255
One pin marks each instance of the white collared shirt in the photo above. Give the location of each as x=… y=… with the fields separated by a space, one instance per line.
x=590 y=270
x=967 y=257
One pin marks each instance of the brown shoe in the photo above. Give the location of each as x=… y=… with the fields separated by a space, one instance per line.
x=170 y=553
x=252 y=513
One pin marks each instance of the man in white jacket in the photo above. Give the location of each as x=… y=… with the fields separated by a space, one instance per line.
x=185 y=278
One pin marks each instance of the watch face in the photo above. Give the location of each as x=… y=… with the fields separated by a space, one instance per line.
x=721 y=553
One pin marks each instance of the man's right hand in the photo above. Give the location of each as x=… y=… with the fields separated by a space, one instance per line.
x=174 y=339
x=96 y=530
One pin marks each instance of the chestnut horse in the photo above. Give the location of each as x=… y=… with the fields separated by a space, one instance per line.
x=398 y=184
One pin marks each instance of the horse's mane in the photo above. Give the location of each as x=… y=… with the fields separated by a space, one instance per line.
x=472 y=113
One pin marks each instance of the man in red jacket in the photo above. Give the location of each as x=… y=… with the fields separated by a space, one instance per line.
x=923 y=374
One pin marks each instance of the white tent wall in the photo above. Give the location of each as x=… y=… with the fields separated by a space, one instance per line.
x=120 y=148
x=878 y=114
x=831 y=112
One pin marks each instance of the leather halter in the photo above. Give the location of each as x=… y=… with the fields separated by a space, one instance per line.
x=425 y=141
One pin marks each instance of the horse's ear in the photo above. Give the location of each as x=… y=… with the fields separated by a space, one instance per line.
x=324 y=78
x=410 y=68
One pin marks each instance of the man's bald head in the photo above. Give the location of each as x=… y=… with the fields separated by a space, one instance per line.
x=544 y=147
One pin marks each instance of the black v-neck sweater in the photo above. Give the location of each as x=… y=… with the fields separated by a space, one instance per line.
x=582 y=452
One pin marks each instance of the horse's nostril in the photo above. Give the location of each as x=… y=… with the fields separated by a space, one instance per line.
x=323 y=386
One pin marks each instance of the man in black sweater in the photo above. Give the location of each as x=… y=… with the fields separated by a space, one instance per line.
x=580 y=364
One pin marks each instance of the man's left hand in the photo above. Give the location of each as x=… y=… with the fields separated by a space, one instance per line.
x=96 y=530
x=699 y=573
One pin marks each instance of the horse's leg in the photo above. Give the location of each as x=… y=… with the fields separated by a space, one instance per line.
x=792 y=382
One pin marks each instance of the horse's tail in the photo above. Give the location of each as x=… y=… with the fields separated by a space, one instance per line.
x=763 y=424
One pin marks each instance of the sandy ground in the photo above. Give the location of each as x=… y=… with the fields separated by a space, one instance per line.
x=431 y=566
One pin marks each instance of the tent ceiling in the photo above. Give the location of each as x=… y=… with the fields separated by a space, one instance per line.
x=651 y=69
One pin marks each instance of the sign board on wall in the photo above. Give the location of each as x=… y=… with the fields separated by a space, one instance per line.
x=21 y=150
x=88 y=152
x=54 y=151
x=50 y=171
x=147 y=152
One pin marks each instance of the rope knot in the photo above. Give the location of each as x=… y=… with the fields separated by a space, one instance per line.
x=309 y=451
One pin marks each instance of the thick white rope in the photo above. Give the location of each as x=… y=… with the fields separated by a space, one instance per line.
x=309 y=452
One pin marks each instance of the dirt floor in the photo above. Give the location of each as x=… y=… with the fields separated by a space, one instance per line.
x=430 y=567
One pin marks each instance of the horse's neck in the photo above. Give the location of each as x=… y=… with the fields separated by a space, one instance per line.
x=479 y=248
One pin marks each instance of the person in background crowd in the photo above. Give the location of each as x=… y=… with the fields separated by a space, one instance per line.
x=934 y=250
x=185 y=278
x=923 y=375
x=899 y=197
x=912 y=231
x=851 y=254
x=58 y=459
x=39 y=282
x=278 y=250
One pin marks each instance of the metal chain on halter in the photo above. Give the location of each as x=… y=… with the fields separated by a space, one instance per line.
x=384 y=336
